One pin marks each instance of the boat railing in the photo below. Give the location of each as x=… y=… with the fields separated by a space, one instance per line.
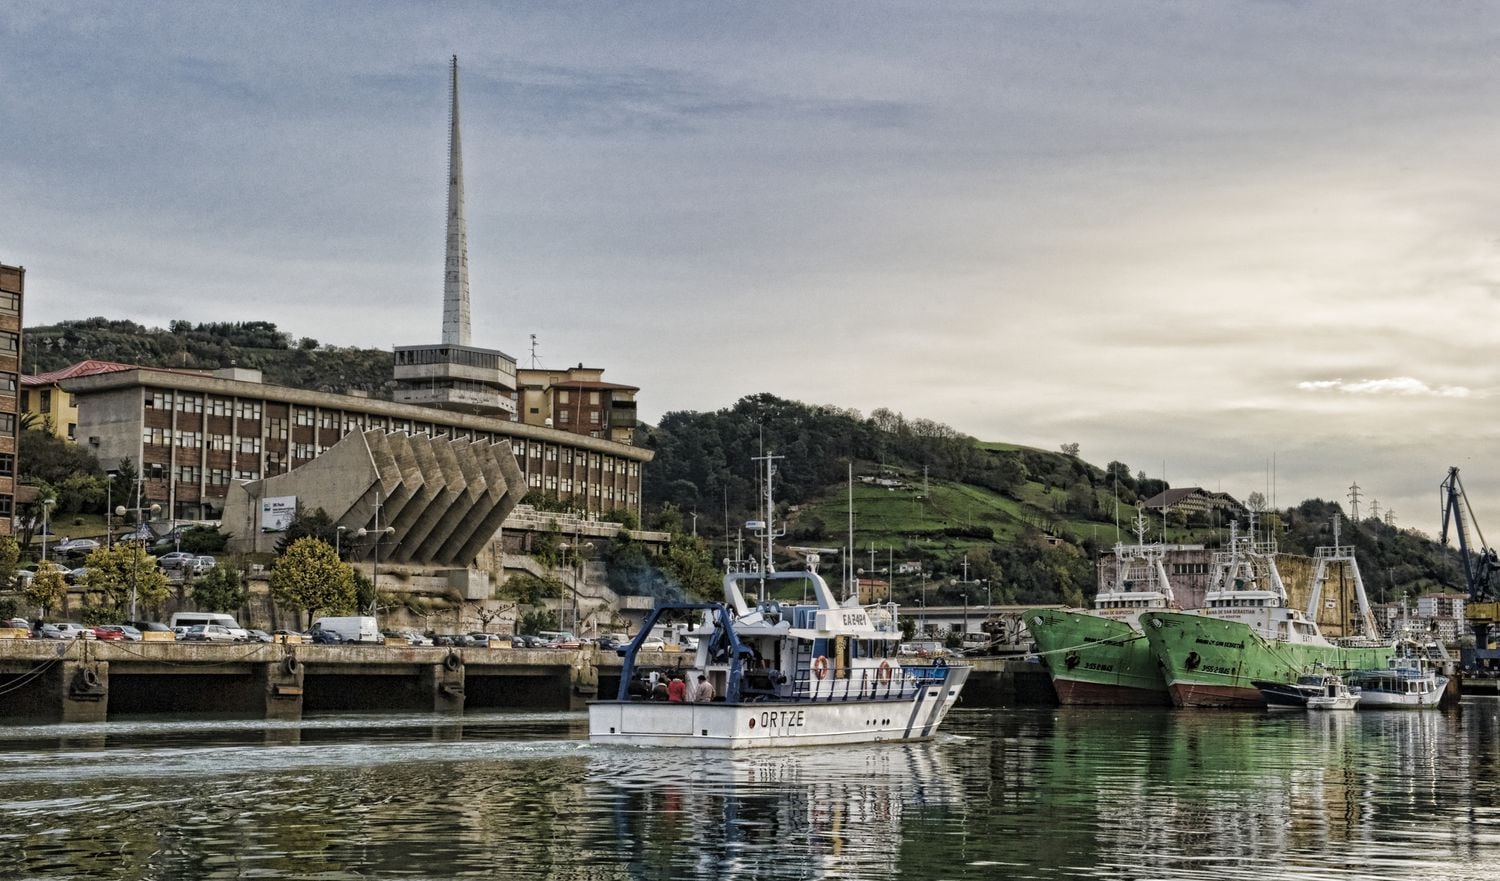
x=865 y=683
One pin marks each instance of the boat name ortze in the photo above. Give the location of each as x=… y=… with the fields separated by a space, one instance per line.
x=783 y=719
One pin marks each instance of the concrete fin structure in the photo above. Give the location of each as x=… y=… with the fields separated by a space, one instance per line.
x=494 y=488
x=452 y=495
x=452 y=488
x=456 y=263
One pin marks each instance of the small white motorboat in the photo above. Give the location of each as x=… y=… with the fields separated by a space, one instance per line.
x=1334 y=695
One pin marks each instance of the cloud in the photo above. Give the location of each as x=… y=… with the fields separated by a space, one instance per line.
x=1396 y=385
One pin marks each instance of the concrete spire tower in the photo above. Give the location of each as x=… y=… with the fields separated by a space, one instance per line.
x=453 y=374
x=456 y=273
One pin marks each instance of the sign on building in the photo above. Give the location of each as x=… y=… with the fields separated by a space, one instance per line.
x=276 y=513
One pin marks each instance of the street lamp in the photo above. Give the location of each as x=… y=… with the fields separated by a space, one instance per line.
x=135 y=559
x=338 y=539
x=577 y=576
x=109 y=507
x=924 y=603
x=964 y=634
x=46 y=506
x=374 y=566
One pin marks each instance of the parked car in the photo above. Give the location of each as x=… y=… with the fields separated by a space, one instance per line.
x=76 y=547
x=131 y=633
x=16 y=624
x=76 y=576
x=259 y=636
x=181 y=632
x=415 y=638
x=149 y=626
x=66 y=630
x=111 y=632
x=654 y=644
x=322 y=637
x=209 y=633
x=178 y=561
x=203 y=564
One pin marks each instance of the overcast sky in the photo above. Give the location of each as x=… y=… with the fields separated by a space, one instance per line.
x=1191 y=236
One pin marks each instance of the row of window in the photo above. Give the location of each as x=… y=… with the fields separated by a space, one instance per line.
x=564 y=397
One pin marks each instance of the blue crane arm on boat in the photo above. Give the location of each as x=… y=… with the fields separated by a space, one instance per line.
x=737 y=650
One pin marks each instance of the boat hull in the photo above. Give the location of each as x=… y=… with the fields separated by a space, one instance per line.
x=765 y=724
x=1208 y=662
x=1096 y=661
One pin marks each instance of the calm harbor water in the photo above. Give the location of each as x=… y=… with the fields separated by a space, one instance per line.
x=1016 y=793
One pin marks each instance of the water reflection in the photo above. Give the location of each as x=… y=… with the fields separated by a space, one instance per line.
x=1023 y=794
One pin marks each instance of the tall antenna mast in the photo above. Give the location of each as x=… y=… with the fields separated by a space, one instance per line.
x=456 y=266
x=533 y=351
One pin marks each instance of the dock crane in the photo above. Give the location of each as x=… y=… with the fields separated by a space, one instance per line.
x=1481 y=572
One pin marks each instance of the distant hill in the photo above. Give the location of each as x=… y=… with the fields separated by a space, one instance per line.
x=1029 y=522
x=300 y=363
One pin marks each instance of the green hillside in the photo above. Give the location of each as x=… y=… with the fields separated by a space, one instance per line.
x=1028 y=522
x=300 y=363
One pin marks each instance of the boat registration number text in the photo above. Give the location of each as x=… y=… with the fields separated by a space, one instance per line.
x=855 y=619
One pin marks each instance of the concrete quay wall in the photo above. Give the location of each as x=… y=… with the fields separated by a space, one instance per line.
x=93 y=681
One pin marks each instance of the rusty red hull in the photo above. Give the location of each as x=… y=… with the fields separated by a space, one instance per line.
x=1194 y=695
x=1071 y=692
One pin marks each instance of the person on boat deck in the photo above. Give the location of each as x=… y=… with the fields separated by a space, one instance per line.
x=705 y=690
x=677 y=689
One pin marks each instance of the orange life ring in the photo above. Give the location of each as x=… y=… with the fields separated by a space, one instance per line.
x=820 y=666
x=884 y=673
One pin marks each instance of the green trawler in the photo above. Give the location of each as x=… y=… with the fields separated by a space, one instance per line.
x=1099 y=657
x=1247 y=633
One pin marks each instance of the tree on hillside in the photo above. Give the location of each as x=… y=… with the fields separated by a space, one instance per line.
x=114 y=571
x=221 y=589
x=10 y=559
x=1070 y=450
x=310 y=577
x=47 y=588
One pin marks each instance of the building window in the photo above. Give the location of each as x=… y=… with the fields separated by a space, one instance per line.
x=250 y=445
x=567 y=457
x=564 y=417
x=5 y=506
x=562 y=396
x=72 y=431
x=218 y=476
x=46 y=400
x=518 y=449
x=7 y=465
x=190 y=439
x=189 y=404
x=328 y=419
x=188 y=473
x=247 y=475
x=551 y=455
x=26 y=401
x=536 y=451
x=10 y=342
x=609 y=466
x=533 y=411
x=353 y=424
x=567 y=484
x=161 y=437
x=248 y=409
x=594 y=398
x=8 y=387
x=156 y=471
x=10 y=303
x=219 y=406
x=220 y=443
x=552 y=482
x=160 y=401
x=593 y=417
x=303 y=451
x=273 y=462
x=302 y=416
x=534 y=480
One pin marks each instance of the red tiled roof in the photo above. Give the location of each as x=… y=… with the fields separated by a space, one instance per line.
x=82 y=368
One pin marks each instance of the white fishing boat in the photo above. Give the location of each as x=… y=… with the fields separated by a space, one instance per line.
x=1409 y=681
x=780 y=673
x=1333 y=695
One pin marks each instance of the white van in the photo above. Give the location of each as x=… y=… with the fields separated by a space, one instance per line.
x=351 y=628
x=189 y=619
x=192 y=619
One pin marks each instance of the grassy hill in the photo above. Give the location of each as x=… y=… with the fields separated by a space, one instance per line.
x=1028 y=522
x=286 y=361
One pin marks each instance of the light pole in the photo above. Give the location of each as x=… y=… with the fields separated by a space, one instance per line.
x=109 y=507
x=924 y=603
x=338 y=542
x=375 y=566
x=135 y=559
x=964 y=634
x=577 y=574
x=46 y=506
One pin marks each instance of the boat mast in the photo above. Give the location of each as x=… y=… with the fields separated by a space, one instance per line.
x=766 y=529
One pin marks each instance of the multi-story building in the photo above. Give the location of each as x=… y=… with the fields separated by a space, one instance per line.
x=1194 y=500
x=12 y=296
x=51 y=408
x=578 y=400
x=192 y=434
